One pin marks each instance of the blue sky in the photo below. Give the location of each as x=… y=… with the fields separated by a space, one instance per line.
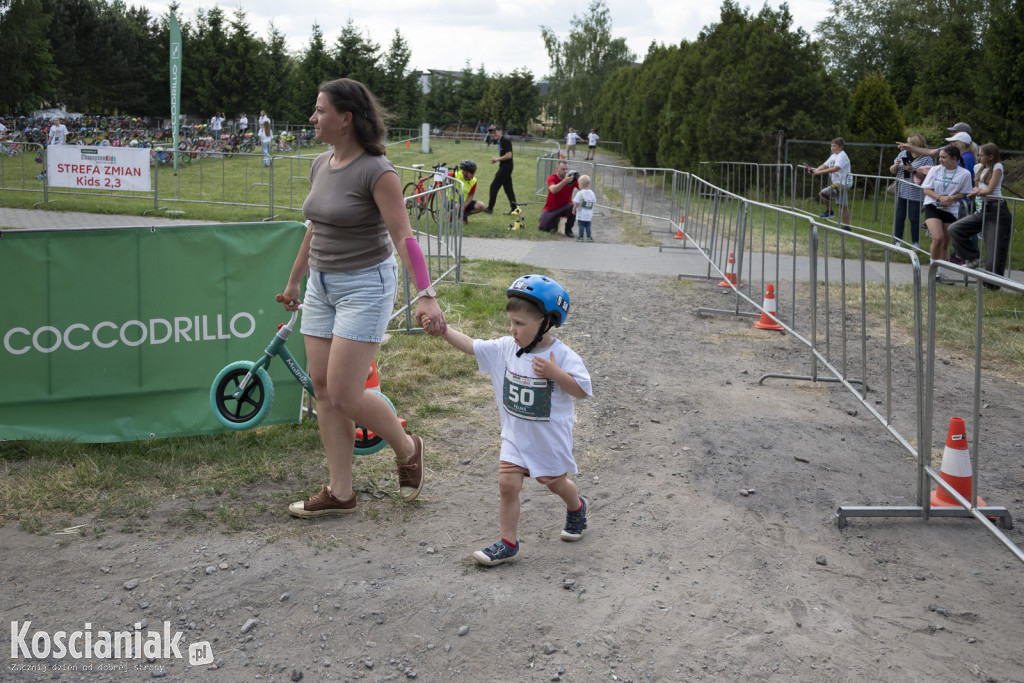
x=494 y=35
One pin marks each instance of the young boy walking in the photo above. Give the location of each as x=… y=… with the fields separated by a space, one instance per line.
x=535 y=379
x=583 y=208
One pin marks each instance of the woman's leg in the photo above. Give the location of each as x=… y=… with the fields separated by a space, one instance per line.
x=346 y=385
x=900 y=218
x=914 y=214
x=337 y=432
x=938 y=229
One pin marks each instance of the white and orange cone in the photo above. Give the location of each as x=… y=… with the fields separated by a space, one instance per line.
x=680 y=235
x=372 y=380
x=730 y=274
x=768 y=316
x=956 y=467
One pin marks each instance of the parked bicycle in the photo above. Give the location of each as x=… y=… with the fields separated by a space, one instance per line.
x=416 y=199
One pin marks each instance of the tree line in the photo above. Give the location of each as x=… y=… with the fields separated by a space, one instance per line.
x=102 y=56
x=878 y=72
x=875 y=73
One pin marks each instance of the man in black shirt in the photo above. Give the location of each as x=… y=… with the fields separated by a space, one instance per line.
x=503 y=178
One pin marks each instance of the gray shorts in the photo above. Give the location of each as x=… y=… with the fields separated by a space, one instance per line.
x=836 y=194
x=355 y=305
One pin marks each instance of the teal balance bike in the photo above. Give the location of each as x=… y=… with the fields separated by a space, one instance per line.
x=242 y=394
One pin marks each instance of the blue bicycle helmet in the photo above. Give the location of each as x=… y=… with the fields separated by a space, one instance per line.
x=546 y=293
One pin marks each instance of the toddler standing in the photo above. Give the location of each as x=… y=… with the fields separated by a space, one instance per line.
x=583 y=208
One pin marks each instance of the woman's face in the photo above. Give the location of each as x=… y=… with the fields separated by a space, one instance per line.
x=947 y=161
x=328 y=121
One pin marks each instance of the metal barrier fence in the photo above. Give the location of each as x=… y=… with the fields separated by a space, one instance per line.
x=828 y=285
x=872 y=198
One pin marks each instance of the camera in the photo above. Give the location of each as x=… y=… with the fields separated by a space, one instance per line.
x=575 y=175
x=906 y=158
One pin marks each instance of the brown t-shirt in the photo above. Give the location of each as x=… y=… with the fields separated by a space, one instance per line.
x=348 y=230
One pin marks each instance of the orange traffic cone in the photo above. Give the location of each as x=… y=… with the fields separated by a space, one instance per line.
x=680 y=235
x=956 y=467
x=407 y=144
x=768 y=321
x=730 y=274
x=372 y=381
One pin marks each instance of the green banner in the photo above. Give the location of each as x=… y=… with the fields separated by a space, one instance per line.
x=175 y=82
x=117 y=334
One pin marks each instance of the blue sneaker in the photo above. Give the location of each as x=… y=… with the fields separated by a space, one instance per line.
x=575 y=523
x=496 y=554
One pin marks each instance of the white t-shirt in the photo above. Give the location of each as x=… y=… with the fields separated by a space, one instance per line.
x=586 y=200
x=536 y=414
x=262 y=119
x=266 y=139
x=3 y=129
x=58 y=134
x=946 y=183
x=215 y=123
x=843 y=162
x=571 y=137
x=243 y=123
x=592 y=139
x=998 y=190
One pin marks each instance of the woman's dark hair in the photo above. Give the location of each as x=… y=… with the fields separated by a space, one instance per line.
x=952 y=151
x=368 y=117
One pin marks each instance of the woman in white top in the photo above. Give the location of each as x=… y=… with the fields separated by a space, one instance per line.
x=944 y=186
x=266 y=137
x=992 y=219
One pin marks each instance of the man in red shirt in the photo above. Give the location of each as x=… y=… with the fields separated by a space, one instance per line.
x=561 y=183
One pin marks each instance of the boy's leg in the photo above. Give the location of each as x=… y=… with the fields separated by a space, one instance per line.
x=564 y=488
x=509 y=486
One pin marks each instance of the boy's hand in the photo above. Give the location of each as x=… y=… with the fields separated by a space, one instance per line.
x=546 y=367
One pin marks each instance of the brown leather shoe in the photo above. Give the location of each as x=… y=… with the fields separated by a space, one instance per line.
x=323 y=504
x=410 y=472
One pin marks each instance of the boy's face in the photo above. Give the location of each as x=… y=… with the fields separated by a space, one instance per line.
x=835 y=148
x=523 y=327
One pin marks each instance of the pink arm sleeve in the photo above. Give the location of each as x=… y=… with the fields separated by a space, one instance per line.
x=419 y=265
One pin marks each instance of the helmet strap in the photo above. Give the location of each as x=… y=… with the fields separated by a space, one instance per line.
x=544 y=327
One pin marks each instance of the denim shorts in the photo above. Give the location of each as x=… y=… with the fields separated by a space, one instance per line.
x=356 y=304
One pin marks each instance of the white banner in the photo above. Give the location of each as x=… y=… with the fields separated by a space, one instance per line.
x=98 y=168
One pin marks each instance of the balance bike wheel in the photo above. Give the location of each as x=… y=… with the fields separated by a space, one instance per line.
x=254 y=403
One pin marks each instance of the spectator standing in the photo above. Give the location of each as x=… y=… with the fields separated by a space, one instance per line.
x=243 y=124
x=583 y=208
x=838 y=165
x=911 y=170
x=561 y=183
x=503 y=178
x=266 y=139
x=536 y=432
x=570 y=143
x=58 y=133
x=592 y=139
x=992 y=218
x=263 y=117
x=215 y=125
x=944 y=186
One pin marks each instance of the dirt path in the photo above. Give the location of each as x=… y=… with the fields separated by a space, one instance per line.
x=712 y=550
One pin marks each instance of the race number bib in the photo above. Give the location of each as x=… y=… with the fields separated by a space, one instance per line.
x=527 y=397
x=586 y=204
